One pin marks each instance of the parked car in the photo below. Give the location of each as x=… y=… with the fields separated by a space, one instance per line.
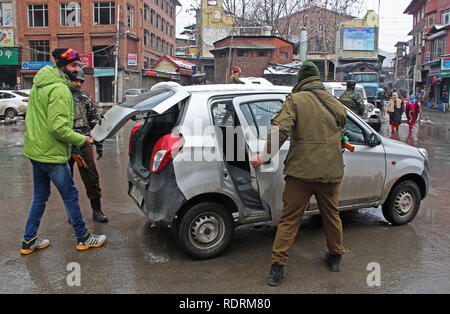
x=202 y=185
x=13 y=103
x=372 y=114
x=130 y=93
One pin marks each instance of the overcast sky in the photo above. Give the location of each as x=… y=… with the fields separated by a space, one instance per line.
x=394 y=27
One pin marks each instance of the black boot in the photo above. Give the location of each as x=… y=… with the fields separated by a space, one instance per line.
x=97 y=213
x=334 y=261
x=277 y=273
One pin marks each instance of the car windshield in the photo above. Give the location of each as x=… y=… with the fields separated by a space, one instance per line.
x=132 y=92
x=22 y=94
x=365 y=78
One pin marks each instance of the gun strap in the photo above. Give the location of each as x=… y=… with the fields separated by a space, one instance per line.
x=328 y=108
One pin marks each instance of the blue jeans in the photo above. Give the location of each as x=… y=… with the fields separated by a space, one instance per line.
x=60 y=175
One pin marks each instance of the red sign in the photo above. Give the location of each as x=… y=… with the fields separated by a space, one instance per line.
x=185 y=72
x=86 y=59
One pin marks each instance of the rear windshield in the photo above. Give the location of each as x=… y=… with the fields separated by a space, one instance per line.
x=148 y=100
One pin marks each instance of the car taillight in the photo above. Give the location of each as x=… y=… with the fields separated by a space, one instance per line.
x=135 y=128
x=165 y=150
x=25 y=100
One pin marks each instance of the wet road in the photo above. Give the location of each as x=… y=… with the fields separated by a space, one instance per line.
x=139 y=258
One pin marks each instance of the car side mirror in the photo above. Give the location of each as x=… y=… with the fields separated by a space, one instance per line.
x=373 y=140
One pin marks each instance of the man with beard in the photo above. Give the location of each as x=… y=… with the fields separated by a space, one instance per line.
x=85 y=119
x=49 y=137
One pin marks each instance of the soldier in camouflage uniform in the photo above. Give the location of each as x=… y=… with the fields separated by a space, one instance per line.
x=352 y=100
x=85 y=119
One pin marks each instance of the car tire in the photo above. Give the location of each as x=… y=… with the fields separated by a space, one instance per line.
x=11 y=113
x=205 y=230
x=402 y=204
x=376 y=126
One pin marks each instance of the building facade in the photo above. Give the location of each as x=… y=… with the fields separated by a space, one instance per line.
x=251 y=53
x=430 y=46
x=136 y=33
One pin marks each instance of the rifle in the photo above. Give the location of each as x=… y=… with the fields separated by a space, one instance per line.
x=76 y=155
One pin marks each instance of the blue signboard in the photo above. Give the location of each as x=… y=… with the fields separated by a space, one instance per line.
x=35 y=65
x=104 y=72
x=359 y=38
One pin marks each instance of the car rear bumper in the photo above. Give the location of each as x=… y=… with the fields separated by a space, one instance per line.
x=158 y=196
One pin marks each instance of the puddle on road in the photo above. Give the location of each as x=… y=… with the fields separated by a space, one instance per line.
x=153 y=258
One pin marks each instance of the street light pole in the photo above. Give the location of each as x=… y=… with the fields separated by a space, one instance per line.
x=116 y=66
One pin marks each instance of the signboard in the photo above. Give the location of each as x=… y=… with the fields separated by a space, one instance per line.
x=35 y=65
x=445 y=67
x=86 y=59
x=6 y=37
x=104 y=72
x=359 y=38
x=9 y=56
x=132 y=59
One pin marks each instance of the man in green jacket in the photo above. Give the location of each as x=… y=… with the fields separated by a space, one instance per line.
x=314 y=165
x=49 y=137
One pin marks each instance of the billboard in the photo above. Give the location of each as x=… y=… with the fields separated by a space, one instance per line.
x=359 y=38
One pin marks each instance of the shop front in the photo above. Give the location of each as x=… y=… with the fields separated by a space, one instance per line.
x=9 y=68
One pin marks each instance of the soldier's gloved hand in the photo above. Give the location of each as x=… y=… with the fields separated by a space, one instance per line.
x=99 y=149
x=99 y=154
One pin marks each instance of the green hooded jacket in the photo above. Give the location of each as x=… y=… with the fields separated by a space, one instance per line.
x=315 y=152
x=49 y=131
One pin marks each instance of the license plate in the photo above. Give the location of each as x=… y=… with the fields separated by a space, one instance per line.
x=136 y=194
x=372 y=120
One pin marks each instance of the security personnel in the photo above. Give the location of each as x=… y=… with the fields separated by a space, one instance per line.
x=85 y=119
x=351 y=99
x=234 y=78
x=314 y=120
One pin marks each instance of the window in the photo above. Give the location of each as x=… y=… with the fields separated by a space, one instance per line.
x=146 y=63
x=258 y=114
x=39 y=50
x=146 y=12
x=130 y=16
x=354 y=133
x=445 y=17
x=242 y=53
x=284 y=55
x=438 y=48
x=71 y=14
x=6 y=12
x=104 y=13
x=146 y=37
x=223 y=114
x=152 y=17
x=152 y=41
x=261 y=53
x=37 y=15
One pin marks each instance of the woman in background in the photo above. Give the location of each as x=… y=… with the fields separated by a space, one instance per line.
x=412 y=111
x=395 y=111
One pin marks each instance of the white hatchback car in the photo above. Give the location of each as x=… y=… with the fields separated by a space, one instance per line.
x=189 y=163
x=13 y=103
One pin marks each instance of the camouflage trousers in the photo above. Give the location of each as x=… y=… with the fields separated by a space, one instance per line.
x=89 y=175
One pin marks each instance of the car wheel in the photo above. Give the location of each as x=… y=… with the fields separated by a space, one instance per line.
x=205 y=230
x=10 y=113
x=402 y=204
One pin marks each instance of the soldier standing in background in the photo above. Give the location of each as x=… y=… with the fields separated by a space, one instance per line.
x=85 y=119
x=352 y=100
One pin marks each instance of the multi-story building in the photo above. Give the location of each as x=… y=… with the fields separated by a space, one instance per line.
x=431 y=45
x=137 y=33
x=9 y=54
